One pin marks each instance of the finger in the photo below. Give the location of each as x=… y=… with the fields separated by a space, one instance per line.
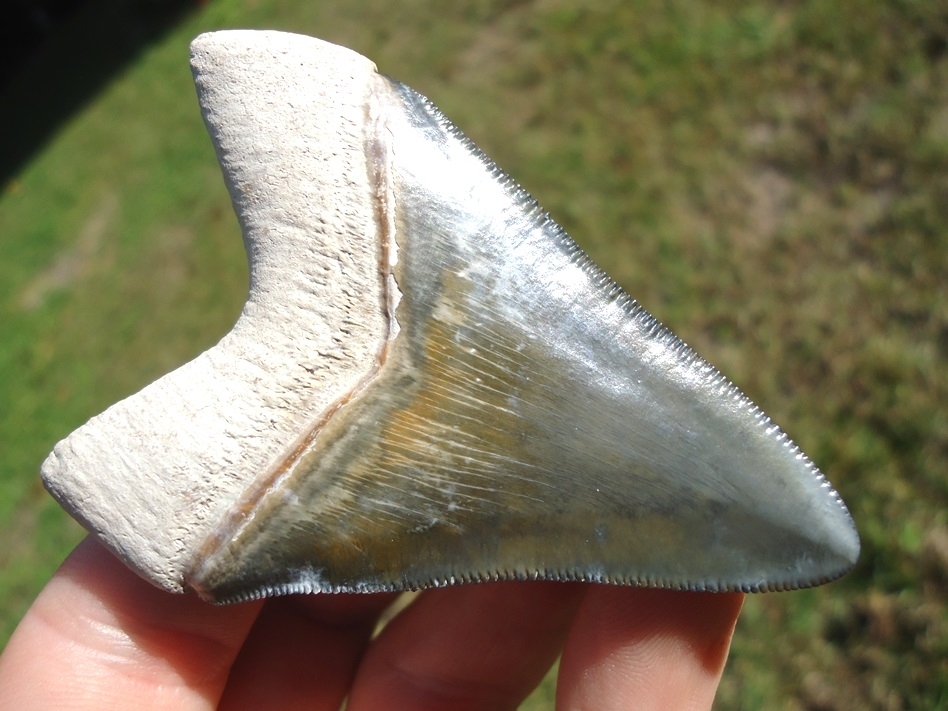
x=302 y=652
x=99 y=637
x=470 y=647
x=655 y=649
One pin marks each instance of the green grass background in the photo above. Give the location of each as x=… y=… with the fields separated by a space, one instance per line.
x=768 y=178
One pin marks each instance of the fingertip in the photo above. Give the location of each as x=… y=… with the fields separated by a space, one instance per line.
x=303 y=651
x=471 y=646
x=662 y=649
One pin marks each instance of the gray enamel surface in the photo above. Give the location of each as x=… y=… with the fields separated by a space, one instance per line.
x=529 y=421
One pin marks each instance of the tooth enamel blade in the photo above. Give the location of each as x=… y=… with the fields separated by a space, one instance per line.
x=430 y=384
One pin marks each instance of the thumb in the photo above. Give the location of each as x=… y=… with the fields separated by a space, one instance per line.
x=99 y=637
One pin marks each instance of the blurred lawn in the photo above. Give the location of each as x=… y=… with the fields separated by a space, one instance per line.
x=770 y=179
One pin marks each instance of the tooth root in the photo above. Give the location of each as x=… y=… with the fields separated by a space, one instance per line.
x=153 y=475
x=497 y=408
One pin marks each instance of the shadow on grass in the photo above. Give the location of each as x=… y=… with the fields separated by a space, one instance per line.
x=72 y=54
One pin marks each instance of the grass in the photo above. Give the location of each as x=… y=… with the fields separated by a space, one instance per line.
x=768 y=178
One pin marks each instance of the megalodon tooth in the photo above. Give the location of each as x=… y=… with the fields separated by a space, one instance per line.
x=430 y=383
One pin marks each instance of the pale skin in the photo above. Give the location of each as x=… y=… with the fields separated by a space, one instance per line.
x=98 y=637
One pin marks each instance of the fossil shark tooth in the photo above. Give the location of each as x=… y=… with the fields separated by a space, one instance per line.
x=430 y=383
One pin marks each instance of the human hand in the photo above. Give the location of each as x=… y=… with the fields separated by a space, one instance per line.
x=98 y=637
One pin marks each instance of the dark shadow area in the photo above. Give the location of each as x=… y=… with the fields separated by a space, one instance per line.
x=55 y=55
x=26 y=25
